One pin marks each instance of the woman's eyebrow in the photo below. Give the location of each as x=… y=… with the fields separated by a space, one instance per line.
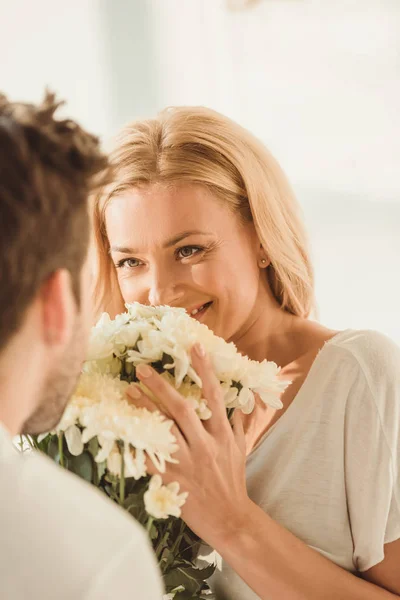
x=170 y=242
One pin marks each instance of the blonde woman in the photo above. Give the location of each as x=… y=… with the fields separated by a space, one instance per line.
x=301 y=503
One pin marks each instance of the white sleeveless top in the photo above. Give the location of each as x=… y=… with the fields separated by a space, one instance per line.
x=328 y=469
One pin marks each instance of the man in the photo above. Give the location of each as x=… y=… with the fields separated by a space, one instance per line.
x=59 y=537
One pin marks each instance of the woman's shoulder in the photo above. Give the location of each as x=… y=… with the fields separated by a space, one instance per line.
x=372 y=349
x=375 y=357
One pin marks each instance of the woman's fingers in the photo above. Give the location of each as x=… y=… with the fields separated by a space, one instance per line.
x=139 y=399
x=172 y=402
x=178 y=408
x=238 y=430
x=212 y=391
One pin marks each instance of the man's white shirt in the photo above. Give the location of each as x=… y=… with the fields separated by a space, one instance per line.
x=63 y=539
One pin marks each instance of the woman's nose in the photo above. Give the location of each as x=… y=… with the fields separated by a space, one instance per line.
x=164 y=290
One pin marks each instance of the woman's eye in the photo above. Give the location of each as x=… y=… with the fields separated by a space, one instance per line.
x=188 y=251
x=130 y=263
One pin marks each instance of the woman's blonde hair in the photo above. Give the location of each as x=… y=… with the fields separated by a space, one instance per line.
x=198 y=145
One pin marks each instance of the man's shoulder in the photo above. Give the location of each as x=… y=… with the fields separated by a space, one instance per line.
x=42 y=484
x=57 y=518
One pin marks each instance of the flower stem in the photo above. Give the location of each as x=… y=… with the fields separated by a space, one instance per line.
x=33 y=442
x=60 y=448
x=149 y=524
x=178 y=540
x=29 y=440
x=122 y=482
x=161 y=544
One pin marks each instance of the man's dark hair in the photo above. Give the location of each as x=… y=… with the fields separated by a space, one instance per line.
x=48 y=168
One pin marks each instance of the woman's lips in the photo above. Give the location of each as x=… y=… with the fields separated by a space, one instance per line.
x=199 y=312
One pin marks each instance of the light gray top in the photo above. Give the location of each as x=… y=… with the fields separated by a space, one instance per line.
x=328 y=469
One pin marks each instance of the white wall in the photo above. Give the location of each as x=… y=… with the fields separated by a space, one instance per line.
x=317 y=80
x=60 y=45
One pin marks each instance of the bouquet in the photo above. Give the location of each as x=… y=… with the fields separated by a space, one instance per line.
x=106 y=440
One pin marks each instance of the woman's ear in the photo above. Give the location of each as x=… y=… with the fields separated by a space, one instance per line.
x=263 y=260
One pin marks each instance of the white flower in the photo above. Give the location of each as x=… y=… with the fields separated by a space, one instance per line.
x=172 y=594
x=109 y=366
x=100 y=409
x=162 y=501
x=230 y=394
x=127 y=336
x=114 y=461
x=192 y=393
x=134 y=462
x=171 y=331
x=246 y=400
x=101 y=344
x=21 y=442
x=140 y=311
x=144 y=334
x=73 y=437
x=71 y=418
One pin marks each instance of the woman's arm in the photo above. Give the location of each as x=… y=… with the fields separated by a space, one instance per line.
x=276 y=564
x=212 y=460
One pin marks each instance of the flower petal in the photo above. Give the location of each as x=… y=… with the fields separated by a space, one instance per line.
x=73 y=437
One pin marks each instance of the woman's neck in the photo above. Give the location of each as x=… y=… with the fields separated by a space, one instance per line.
x=270 y=333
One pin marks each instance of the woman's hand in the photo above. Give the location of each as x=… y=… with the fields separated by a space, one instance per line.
x=212 y=454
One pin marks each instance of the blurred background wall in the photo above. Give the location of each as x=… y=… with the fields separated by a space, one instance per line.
x=318 y=81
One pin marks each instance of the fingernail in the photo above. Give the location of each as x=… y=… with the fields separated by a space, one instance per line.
x=144 y=371
x=199 y=349
x=135 y=392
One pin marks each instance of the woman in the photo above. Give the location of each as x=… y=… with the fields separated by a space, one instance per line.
x=303 y=502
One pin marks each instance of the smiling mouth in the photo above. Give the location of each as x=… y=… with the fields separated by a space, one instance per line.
x=197 y=313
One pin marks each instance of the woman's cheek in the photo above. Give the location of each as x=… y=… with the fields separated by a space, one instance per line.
x=206 y=276
x=129 y=290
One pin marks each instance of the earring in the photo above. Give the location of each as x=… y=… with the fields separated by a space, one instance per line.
x=262 y=263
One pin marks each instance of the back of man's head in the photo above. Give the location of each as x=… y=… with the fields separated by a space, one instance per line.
x=47 y=170
x=48 y=167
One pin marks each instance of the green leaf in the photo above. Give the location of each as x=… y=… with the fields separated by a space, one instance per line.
x=101 y=469
x=53 y=450
x=134 y=504
x=133 y=486
x=93 y=446
x=129 y=369
x=207 y=595
x=154 y=533
x=128 y=372
x=237 y=385
x=82 y=465
x=185 y=574
x=160 y=365
x=185 y=595
x=191 y=546
x=133 y=500
x=198 y=574
x=44 y=444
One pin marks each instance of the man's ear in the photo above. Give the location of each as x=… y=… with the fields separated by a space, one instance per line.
x=58 y=308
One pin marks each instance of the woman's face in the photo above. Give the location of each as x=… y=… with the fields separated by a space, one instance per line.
x=180 y=246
